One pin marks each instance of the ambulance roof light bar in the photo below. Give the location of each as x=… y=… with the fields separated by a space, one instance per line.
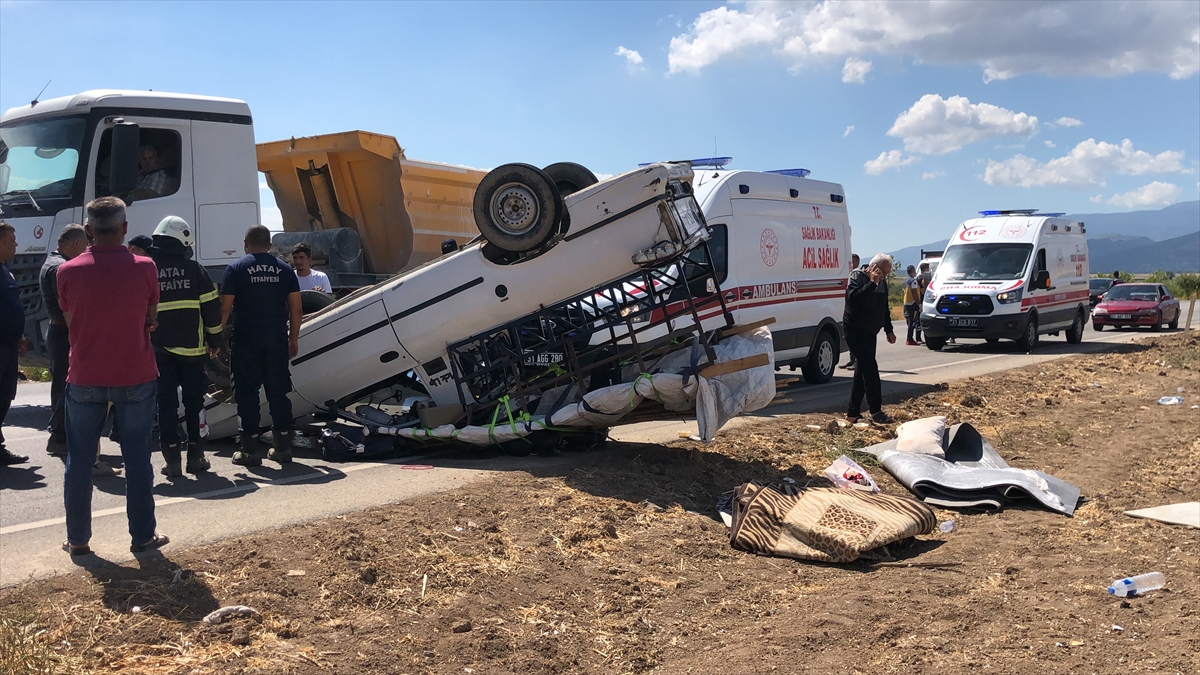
x=795 y=173
x=1020 y=212
x=714 y=162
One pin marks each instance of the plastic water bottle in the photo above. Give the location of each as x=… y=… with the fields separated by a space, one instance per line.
x=1142 y=583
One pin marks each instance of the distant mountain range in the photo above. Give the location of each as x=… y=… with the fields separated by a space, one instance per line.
x=1135 y=241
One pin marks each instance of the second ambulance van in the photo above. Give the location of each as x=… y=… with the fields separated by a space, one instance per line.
x=1015 y=275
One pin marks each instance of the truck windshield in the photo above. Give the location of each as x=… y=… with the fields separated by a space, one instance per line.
x=38 y=159
x=985 y=261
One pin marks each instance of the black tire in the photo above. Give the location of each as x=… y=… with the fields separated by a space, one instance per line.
x=1158 y=324
x=570 y=177
x=935 y=343
x=1097 y=327
x=992 y=341
x=822 y=359
x=1174 y=325
x=518 y=207
x=312 y=301
x=1075 y=332
x=1029 y=339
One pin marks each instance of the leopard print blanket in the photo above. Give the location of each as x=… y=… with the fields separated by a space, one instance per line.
x=824 y=524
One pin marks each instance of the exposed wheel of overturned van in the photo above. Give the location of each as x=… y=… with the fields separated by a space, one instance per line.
x=822 y=359
x=1075 y=332
x=518 y=207
x=570 y=177
x=1029 y=339
x=311 y=301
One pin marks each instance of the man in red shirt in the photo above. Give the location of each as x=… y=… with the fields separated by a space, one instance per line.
x=109 y=298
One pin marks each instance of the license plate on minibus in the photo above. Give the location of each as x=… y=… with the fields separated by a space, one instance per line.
x=963 y=322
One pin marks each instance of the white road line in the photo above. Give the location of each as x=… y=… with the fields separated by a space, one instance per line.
x=253 y=485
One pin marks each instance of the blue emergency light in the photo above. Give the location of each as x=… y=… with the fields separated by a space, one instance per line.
x=795 y=173
x=1019 y=212
x=714 y=162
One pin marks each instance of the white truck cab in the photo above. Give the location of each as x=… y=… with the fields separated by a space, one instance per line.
x=782 y=243
x=1013 y=274
x=164 y=154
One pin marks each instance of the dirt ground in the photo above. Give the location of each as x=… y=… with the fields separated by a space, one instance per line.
x=620 y=566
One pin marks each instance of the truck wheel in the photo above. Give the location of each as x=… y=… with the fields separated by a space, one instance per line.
x=570 y=177
x=1029 y=339
x=822 y=359
x=1075 y=332
x=518 y=207
x=935 y=343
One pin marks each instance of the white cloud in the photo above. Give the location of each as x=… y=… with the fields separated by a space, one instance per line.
x=936 y=126
x=933 y=174
x=848 y=130
x=1005 y=39
x=1087 y=164
x=272 y=217
x=1068 y=122
x=1098 y=199
x=1154 y=194
x=855 y=71
x=887 y=160
x=633 y=60
x=1049 y=144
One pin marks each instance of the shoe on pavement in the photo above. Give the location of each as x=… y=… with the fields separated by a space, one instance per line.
x=76 y=549
x=103 y=469
x=174 y=463
x=849 y=366
x=281 y=456
x=159 y=541
x=56 y=445
x=911 y=343
x=7 y=458
x=196 y=461
x=243 y=458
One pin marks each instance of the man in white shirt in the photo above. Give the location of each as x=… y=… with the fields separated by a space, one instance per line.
x=310 y=279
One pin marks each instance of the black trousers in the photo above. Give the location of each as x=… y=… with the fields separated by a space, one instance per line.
x=8 y=383
x=59 y=346
x=180 y=372
x=866 y=374
x=261 y=363
x=912 y=315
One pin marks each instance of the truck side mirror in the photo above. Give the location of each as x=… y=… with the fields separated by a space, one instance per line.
x=123 y=162
x=1043 y=279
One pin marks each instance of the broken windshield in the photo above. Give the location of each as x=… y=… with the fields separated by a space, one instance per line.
x=38 y=159
x=985 y=261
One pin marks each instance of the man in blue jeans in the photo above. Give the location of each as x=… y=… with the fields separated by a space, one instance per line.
x=109 y=298
x=263 y=295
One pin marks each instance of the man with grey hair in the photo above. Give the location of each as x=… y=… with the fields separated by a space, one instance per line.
x=109 y=298
x=71 y=242
x=866 y=312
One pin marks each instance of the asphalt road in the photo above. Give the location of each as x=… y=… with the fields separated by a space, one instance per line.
x=231 y=500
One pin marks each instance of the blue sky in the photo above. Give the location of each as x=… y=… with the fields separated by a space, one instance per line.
x=956 y=107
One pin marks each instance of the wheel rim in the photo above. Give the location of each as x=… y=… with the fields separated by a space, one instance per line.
x=1031 y=332
x=825 y=357
x=514 y=208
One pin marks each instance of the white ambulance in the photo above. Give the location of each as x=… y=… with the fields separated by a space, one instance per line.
x=782 y=246
x=1013 y=274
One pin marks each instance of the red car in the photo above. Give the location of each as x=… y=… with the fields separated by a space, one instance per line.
x=1136 y=305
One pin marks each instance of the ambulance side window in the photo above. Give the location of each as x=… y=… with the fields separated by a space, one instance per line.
x=1041 y=262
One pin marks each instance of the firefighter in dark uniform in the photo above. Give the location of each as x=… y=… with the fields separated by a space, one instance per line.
x=189 y=329
x=263 y=295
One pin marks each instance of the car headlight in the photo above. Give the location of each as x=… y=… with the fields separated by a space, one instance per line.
x=1099 y=310
x=930 y=298
x=1009 y=297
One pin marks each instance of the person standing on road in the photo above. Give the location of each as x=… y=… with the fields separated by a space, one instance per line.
x=189 y=328
x=1117 y=278
x=866 y=312
x=310 y=279
x=854 y=262
x=71 y=242
x=263 y=295
x=109 y=298
x=912 y=306
x=12 y=335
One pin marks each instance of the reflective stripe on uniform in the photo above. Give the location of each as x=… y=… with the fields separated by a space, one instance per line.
x=213 y=330
x=211 y=295
x=178 y=304
x=188 y=351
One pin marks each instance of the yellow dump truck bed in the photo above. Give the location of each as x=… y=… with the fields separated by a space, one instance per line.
x=402 y=209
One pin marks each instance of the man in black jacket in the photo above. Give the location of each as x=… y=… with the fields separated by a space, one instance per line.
x=189 y=327
x=866 y=312
x=71 y=242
